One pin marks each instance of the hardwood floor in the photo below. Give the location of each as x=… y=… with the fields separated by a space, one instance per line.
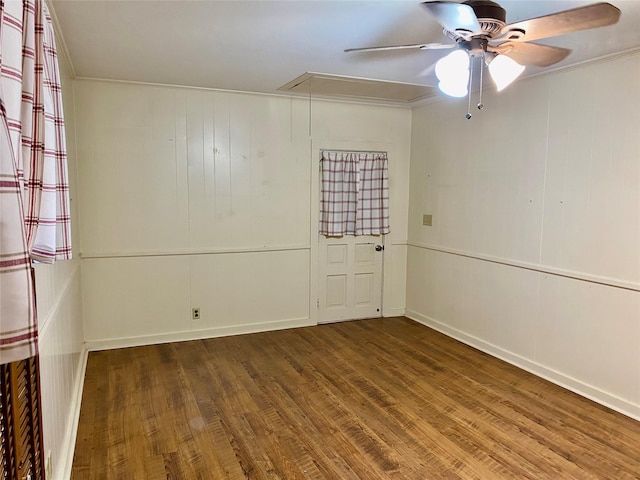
x=372 y=399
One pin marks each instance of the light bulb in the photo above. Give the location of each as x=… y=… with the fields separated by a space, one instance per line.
x=504 y=71
x=453 y=73
x=452 y=66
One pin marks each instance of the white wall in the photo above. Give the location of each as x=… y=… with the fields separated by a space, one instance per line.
x=534 y=252
x=195 y=198
x=59 y=303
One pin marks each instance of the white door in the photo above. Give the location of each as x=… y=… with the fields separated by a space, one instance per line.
x=350 y=283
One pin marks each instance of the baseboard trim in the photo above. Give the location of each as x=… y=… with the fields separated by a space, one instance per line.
x=71 y=434
x=125 y=342
x=576 y=386
x=393 y=312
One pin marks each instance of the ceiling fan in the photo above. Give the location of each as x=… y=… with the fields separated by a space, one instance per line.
x=479 y=30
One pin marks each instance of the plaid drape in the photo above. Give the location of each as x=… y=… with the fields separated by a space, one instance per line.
x=34 y=191
x=355 y=194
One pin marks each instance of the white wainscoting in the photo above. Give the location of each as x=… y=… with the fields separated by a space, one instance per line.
x=149 y=299
x=63 y=359
x=580 y=335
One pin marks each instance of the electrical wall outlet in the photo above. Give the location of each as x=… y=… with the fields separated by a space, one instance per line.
x=427 y=220
x=195 y=313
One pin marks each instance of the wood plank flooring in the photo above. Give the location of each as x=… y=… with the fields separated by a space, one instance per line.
x=372 y=399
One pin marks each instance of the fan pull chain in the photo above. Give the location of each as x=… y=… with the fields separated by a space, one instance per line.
x=480 y=105
x=468 y=115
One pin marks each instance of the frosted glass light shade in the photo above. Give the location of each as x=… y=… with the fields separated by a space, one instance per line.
x=504 y=71
x=452 y=66
x=454 y=89
x=453 y=73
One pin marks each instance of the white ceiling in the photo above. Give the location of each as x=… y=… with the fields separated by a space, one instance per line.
x=261 y=45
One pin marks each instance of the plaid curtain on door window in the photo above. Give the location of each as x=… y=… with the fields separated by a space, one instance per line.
x=355 y=194
x=34 y=191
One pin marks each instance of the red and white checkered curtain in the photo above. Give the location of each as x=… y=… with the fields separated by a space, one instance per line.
x=34 y=190
x=355 y=194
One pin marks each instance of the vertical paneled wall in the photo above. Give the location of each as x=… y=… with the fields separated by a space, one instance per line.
x=204 y=199
x=534 y=252
x=59 y=302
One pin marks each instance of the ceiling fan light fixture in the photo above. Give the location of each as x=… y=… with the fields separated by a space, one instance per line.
x=453 y=66
x=453 y=89
x=453 y=73
x=504 y=70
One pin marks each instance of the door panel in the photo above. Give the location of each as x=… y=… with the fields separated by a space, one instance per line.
x=336 y=291
x=363 y=291
x=350 y=283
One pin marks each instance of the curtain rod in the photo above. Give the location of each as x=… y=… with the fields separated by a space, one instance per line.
x=351 y=151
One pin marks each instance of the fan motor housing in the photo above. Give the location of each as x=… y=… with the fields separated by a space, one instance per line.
x=491 y=17
x=485 y=9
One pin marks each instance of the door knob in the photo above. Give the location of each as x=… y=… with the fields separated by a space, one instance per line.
x=379 y=248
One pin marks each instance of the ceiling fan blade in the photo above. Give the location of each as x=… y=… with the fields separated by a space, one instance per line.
x=421 y=46
x=454 y=16
x=581 y=18
x=532 y=53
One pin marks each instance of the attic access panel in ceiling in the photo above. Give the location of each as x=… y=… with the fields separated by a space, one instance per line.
x=327 y=85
